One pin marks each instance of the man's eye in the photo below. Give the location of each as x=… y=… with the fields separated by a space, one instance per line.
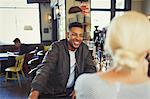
x=73 y=34
x=81 y=35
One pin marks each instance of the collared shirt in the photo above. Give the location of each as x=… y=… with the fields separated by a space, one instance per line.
x=72 y=69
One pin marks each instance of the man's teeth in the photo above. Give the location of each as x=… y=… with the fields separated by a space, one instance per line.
x=76 y=42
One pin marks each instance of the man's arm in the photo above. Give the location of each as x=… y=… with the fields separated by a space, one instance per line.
x=90 y=66
x=34 y=95
x=42 y=75
x=24 y=49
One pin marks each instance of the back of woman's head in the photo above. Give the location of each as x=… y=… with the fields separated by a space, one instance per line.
x=128 y=36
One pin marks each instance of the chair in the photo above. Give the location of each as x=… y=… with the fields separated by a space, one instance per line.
x=26 y=68
x=34 y=63
x=46 y=47
x=16 y=69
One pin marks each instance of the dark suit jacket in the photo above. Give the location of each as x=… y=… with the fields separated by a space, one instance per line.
x=24 y=48
x=53 y=76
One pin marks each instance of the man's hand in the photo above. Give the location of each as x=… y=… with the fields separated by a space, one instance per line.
x=34 y=95
x=73 y=94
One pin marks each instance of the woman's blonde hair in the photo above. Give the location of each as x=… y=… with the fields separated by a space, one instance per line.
x=128 y=36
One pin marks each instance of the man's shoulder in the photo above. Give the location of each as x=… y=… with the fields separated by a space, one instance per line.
x=84 y=46
x=60 y=42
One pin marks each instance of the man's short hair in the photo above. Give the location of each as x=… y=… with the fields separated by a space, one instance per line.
x=16 y=40
x=75 y=24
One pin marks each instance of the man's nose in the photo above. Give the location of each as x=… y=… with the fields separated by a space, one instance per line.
x=78 y=37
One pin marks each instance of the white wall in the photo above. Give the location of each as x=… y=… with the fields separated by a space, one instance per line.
x=15 y=15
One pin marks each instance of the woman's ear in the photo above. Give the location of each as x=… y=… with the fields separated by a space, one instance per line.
x=147 y=56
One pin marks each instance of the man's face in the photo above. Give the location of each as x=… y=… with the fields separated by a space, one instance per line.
x=17 y=44
x=75 y=38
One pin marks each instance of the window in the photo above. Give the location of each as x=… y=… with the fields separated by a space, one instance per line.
x=120 y=4
x=100 y=18
x=119 y=13
x=102 y=11
x=19 y=19
x=101 y=4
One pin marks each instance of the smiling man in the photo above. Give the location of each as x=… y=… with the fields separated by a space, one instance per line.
x=74 y=36
x=62 y=64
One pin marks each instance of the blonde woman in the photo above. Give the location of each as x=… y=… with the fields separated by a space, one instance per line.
x=128 y=40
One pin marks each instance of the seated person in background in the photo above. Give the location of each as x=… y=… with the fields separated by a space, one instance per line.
x=127 y=39
x=22 y=48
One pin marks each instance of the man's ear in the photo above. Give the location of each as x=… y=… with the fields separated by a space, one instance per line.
x=67 y=34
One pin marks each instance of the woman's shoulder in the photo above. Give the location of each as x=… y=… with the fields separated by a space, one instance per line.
x=87 y=77
x=135 y=91
x=91 y=86
x=86 y=81
x=90 y=80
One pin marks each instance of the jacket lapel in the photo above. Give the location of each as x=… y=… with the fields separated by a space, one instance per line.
x=66 y=65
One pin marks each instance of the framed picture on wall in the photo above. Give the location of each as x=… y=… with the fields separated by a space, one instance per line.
x=80 y=18
x=76 y=18
x=72 y=19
